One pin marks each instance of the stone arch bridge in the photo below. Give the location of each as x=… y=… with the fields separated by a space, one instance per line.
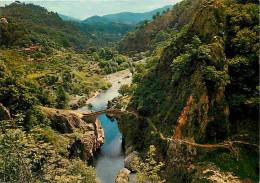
x=115 y=112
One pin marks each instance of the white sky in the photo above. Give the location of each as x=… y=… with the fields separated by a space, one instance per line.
x=83 y=9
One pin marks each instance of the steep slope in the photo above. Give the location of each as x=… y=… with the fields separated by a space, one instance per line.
x=200 y=87
x=126 y=17
x=156 y=32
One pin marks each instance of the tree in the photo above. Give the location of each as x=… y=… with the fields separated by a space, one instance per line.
x=26 y=158
x=124 y=90
x=148 y=171
x=62 y=98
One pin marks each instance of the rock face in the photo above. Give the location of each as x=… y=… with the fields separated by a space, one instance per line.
x=4 y=113
x=129 y=160
x=88 y=136
x=123 y=176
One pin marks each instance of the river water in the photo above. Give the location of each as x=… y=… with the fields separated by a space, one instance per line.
x=110 y=159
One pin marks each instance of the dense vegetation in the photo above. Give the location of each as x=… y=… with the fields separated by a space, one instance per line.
x=199 y=86
x=29 y=25
x=45 y=61
x=105 y=34
x=200 y=82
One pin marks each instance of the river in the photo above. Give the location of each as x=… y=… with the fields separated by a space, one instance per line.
x=110 y=159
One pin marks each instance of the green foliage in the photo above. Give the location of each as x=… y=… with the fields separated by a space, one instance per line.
x=244 y=167
x=112 y=61
x=25 y=157
x=158 y=32
x=62 y=98
x=127 y=89
x=105 y=34
x=29 y=24
x=212 y=56
x=149 y=170
x=86 y=174
x=242 y=52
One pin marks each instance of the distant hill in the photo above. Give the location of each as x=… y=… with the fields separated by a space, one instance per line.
x=96 y=19
x=68 y=18
x=126 y=17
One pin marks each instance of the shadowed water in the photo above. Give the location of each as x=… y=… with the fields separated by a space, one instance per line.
x=110 y=160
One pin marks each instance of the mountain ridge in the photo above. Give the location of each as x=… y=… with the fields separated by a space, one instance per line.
x=125 y=17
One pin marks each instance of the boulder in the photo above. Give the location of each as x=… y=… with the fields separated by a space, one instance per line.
x=130 y=160
x=123 y=176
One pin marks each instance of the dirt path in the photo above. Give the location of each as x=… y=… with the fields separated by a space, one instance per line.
x=226 y=144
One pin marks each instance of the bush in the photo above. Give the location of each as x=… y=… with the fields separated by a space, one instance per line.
x=149 y=170
x=127 y=89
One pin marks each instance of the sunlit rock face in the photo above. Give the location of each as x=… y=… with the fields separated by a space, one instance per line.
x=87 y=137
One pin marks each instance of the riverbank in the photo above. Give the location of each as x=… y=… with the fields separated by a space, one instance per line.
x=117 y=78
x=110 y=159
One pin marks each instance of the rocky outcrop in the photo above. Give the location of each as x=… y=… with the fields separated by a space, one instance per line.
x=4 y=113
x=129 y=161
x=123 y=176
x=87 y=136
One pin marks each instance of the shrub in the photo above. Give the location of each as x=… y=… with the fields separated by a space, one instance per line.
x=148 y=171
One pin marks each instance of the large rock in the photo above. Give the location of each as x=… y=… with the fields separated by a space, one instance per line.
x=123 y=176
x=130 y=160
x=87 y=136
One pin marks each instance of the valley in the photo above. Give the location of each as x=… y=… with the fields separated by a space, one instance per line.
x=169 y=95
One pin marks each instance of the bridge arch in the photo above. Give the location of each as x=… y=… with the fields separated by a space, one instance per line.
x=94 y=115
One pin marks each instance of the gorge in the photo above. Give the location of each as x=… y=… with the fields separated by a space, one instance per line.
x=179 y=90
x=110 y=159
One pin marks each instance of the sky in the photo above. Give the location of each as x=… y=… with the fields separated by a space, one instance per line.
x=82 y=9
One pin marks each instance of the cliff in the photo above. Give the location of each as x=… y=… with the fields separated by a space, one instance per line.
x=85 y=136
x=201 y=87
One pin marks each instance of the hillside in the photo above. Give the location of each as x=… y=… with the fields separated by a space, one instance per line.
x=48 y=68
x=126 y=17
x=28 y=24
x=106 y=34
x=153 y=33
x=198 y=91
x=191 y=113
